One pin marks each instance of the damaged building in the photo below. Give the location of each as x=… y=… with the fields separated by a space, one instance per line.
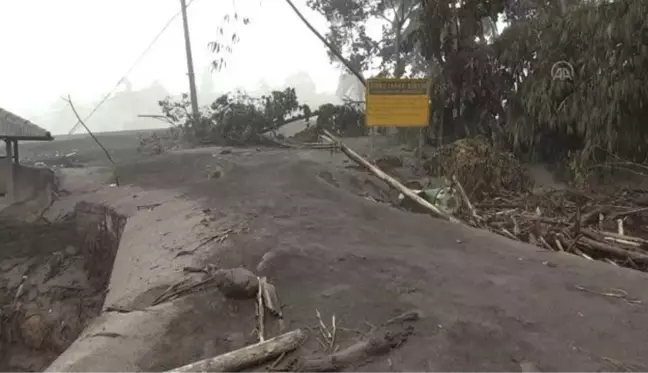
x=18 y=182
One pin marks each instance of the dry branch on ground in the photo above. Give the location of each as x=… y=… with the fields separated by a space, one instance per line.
x=379 y=341
x=608 y=227
x=248 y=356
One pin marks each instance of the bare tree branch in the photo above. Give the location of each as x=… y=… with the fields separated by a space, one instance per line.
x=163 y=118
x=76 y=114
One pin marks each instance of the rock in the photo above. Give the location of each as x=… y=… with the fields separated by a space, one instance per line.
x=214 y=174
x=53 y=266
x=34 y=331
x=237 y=283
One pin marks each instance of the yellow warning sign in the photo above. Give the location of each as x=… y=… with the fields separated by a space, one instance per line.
x=397 y=102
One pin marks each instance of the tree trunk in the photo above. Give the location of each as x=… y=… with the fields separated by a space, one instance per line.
x=398 y=69
x=248 y=356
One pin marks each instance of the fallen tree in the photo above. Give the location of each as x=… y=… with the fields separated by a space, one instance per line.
x=239 y=119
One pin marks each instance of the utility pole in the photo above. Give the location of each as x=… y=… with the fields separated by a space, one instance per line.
x=190 y=70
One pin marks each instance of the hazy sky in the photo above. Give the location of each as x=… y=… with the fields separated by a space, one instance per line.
x=82 y=47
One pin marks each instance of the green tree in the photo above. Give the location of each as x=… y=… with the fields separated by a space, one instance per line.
x=456 y=38
x=390 y=53
x=598 y=112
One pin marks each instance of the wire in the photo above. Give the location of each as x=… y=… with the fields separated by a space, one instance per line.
x=137 y=61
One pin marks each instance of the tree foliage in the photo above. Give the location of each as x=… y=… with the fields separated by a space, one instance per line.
x=601 y=108
x=502 y=84
x=235 y=118
x=238 y=119
x=391 y=52
x=347 y=120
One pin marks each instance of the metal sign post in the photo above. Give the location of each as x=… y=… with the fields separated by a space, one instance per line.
x=372 y=139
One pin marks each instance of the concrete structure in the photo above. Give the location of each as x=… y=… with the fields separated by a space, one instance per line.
x=19 y=183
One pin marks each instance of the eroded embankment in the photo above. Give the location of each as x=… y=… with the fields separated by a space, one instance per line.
x=53 y=278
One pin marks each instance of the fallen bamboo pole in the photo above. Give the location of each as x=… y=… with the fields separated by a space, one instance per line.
x=248 y=356
x=391 y=181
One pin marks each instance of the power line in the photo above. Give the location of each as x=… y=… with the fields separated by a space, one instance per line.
x=119 y=82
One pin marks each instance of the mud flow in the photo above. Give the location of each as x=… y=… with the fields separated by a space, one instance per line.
x=53 y=278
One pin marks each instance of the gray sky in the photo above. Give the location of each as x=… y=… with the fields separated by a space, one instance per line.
x=82 y=47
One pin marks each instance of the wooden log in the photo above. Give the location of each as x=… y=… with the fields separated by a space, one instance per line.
x=261 y=310
x=380 y=342
x=609 y=249
x=391 y=181
x=586 y=219
x=248 y=356
x=638 y=240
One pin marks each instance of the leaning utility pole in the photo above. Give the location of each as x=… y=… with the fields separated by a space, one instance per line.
x=190 y=70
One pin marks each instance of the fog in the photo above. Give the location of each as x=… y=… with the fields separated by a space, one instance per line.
x=82 y=48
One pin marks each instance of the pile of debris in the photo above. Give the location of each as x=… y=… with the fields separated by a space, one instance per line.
x=489 y=189
x=594 y=225
x=608 y=227
x=482 y=169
